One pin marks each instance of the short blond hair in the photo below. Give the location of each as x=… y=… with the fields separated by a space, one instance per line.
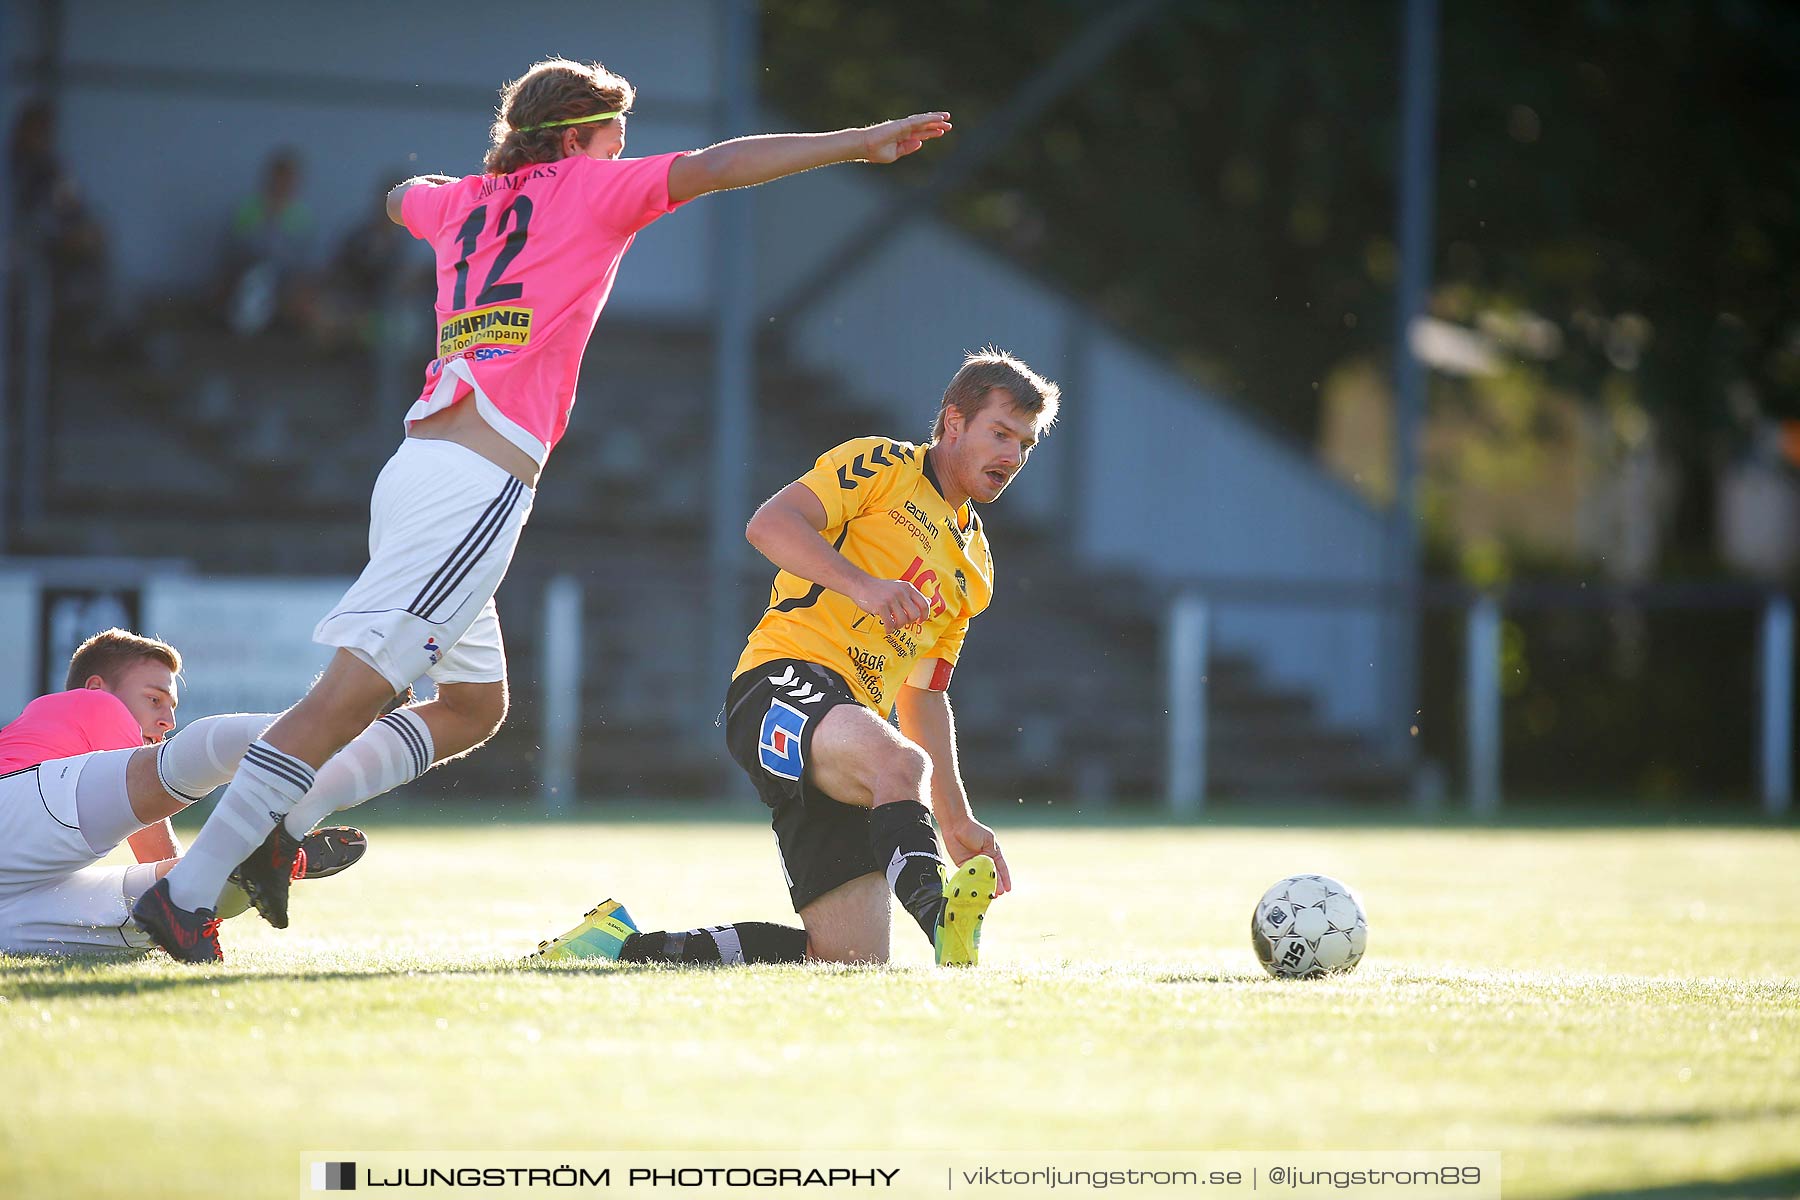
x=990 y=368
x=556 y=89
x=112 y=650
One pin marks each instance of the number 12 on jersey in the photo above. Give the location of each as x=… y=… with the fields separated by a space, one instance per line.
x=518 y=213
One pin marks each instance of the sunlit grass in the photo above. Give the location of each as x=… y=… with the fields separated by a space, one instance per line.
x=1612 y=1010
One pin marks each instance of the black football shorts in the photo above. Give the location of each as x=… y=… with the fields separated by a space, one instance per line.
x=771 y=713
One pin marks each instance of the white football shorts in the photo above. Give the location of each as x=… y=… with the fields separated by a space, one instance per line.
x=443 y=524
x=40 y=838
x=79 y=913
x=53 y=899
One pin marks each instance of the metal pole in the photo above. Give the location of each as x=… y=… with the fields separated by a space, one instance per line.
x=563 y=661
x=34 y=380
x=734 y=368
x=1077 y=353
x=29 y=407
x=1481 y=679
x=1417 y=174
x=1777 y=706
x=1185 y=669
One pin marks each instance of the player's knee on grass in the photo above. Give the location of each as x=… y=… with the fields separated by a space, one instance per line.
x=840 y=945
x=849 y=924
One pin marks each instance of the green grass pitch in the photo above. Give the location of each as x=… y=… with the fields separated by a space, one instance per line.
x=1616 y=1010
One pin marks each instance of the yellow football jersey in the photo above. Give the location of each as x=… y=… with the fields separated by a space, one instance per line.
x=883 y=512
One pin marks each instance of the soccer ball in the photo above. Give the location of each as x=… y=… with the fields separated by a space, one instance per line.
x=1308 y=925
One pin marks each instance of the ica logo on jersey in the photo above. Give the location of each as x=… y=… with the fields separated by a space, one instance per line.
x=927 y=583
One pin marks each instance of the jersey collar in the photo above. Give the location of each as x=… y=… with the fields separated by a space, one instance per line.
x=965 y=516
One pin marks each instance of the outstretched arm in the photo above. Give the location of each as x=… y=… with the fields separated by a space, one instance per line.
x=925 y=718
x=398 y=192
x=745 y=161
x=786 y=530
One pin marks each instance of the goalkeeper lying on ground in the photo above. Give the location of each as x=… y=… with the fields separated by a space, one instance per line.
x=97 y=763
x=883 y=563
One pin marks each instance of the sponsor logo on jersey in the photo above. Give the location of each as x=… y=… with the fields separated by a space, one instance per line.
x=501 y=323
x=869 y=668
x=926 y=580
x=476 y=354
x=866 y=661
x=518 y=179
x=436 y=651
x=778 y=747
x=961 y=538
x=921 y=534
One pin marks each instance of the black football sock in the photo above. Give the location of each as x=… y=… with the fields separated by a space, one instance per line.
x=728 y=945
x=906 y=847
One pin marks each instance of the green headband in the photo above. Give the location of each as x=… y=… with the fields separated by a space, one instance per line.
x=571 y=121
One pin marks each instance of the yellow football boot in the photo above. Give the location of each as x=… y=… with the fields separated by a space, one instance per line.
x=601 y=934
x=968 y=890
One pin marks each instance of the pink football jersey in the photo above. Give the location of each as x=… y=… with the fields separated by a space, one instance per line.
x=525 y=263
x=64 y=724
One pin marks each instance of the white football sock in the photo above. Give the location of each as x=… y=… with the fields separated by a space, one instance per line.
x=268 y=783
x=205 y=753
x=139 y=877
x=396 y=749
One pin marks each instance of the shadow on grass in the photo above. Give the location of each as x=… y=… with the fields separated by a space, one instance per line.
x=1783 y=1183
x=1566 y=814
x=1677 y=1120
x=24 y=978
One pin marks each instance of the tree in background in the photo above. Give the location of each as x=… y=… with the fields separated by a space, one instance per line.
x=1618 y=200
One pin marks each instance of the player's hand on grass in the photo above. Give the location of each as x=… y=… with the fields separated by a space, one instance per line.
x=965 y=840
x=896 y=139
x=894 y=602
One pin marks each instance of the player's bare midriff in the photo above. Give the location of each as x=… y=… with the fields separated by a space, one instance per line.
x=462 y=424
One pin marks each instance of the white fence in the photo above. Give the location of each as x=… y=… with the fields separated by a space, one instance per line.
x=1187 y=643
x=246 y=644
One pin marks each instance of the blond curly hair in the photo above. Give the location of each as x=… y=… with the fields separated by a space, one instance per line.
x=555 y=89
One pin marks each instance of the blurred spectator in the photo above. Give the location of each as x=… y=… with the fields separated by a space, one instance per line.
x=266 y=275
x=377 y=269
x=55 y=239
